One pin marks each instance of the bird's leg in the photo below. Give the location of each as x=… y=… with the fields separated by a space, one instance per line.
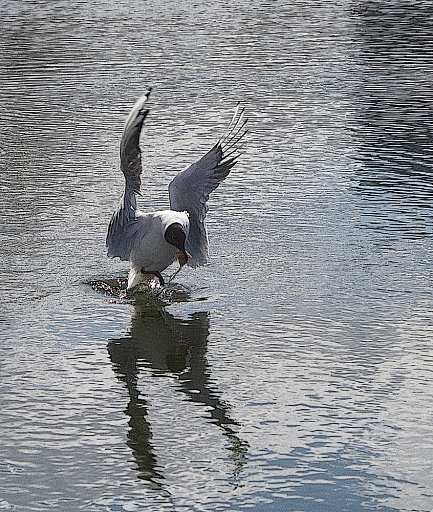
x=156 y=274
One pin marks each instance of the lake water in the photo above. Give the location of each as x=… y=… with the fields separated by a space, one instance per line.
x=296 y=372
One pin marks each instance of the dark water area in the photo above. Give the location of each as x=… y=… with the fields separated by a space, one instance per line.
x=294 y=371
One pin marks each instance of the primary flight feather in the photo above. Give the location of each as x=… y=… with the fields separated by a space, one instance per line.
x=153 y=241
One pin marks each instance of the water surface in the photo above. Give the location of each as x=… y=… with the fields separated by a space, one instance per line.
x=295 y=371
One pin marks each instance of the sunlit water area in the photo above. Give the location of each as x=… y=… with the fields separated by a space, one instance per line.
x=294 y=371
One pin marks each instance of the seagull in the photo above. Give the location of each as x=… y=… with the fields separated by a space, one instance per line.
x=152 y=241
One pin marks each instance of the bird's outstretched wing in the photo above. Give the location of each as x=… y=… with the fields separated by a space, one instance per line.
x=190 y=189
x=123 y=224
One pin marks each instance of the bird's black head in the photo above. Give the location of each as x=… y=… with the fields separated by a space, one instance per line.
x=175 y=235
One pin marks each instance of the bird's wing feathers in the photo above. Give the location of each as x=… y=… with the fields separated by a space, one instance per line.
x=190 y=189
x=123 y=224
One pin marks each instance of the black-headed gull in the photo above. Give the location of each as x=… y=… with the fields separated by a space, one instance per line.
x=153 y=241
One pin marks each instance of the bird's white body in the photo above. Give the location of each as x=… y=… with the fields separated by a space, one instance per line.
x=151 y=252
x=153 y=241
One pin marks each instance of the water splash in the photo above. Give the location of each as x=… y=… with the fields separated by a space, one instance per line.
x=116 y=290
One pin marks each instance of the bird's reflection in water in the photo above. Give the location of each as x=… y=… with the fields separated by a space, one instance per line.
x=176 y=348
